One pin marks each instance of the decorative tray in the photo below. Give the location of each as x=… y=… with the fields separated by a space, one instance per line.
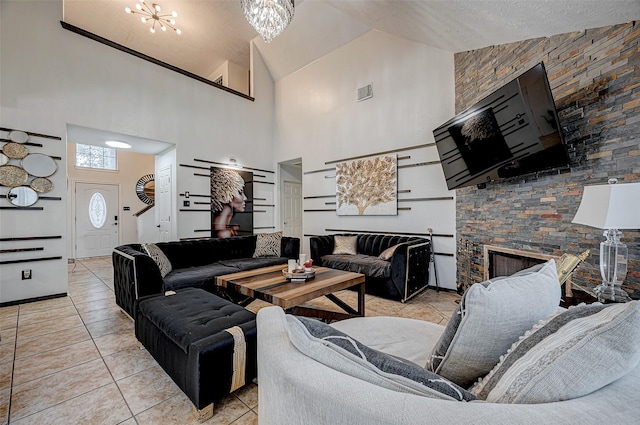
x=299 y=276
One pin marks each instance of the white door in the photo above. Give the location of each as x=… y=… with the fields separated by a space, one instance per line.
x=163 y=202
x=292 y=209
x=96 y=219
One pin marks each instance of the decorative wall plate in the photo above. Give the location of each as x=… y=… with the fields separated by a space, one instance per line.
x=39 y=165
x=22 y=196
x=15 y=150
x=18 y=136
x=145 y=189
x=41 y=184
x=10 y=175
x=3 y=159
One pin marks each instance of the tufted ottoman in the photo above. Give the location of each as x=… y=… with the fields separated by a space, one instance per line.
x=206 y=344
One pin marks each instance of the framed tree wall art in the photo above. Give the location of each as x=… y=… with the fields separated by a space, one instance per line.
x=367 y=186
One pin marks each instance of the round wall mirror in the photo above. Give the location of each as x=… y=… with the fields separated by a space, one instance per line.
x=39 y=165
x=146 y=189
x=22 y=196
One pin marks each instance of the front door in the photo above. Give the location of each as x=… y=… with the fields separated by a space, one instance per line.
x=96 y=219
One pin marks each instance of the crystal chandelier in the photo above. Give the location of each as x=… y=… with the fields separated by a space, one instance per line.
x=268 y=17
x=153 y=14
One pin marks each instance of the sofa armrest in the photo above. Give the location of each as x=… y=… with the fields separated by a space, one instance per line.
x=410 y=267
x=320 y=246
x=290 y=247
x=135 y=275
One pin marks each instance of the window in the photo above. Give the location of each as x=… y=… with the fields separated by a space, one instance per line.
x=97 y=210
x=89 y=156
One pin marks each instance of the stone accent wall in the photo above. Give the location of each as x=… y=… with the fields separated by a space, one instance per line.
x=595 y=80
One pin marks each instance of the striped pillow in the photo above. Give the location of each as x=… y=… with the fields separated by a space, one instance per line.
x=569 y=355
x=268 y=245
x=158 y=256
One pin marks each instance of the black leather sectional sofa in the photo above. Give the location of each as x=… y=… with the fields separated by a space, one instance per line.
x=401 y=277
x=195 y=263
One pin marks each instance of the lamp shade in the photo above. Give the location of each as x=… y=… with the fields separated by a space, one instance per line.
x=610 y=206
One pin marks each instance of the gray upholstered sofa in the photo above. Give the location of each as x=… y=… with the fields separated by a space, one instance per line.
x=304 y=379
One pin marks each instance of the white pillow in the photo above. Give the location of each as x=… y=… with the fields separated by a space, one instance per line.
x=572 y=354
x=490 y=318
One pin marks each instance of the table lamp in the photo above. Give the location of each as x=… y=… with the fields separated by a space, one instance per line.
x=611 y=207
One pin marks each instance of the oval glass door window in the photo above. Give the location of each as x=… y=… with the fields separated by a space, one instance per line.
x=97 y=210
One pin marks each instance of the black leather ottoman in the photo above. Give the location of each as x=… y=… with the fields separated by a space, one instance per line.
x=206 y=344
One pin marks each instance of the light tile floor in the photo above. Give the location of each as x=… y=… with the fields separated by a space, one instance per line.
x=75 y=360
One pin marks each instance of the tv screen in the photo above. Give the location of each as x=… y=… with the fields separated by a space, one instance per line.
x=511 y=132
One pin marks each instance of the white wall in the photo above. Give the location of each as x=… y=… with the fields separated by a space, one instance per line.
x=131 y=166
x=50 y=77
x=319 y=120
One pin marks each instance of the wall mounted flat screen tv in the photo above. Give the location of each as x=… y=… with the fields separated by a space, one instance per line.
x=512 y=132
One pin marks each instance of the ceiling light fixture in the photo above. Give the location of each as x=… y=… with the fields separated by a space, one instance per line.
x=117 y=144
x=153 y=14
x=268 y=17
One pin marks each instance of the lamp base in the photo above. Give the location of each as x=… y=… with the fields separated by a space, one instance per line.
x=610 y=293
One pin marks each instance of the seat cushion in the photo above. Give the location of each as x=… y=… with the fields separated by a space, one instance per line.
x=243 y=264
x=359 y=263
x=192 y=314
x=196 y=276
x=342 y=352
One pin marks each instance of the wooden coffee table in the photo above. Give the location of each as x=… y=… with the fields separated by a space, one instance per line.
x=270 y=285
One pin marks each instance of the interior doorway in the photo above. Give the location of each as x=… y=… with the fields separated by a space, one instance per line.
x=96 y=218
x=291 y=213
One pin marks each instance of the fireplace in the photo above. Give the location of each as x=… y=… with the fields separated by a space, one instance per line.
x=500 y=261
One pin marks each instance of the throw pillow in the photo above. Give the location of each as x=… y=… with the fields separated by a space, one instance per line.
x=268 y=245
x=388 y=253
x=569 y=355
x=339 y=351
x=345 y=245
x=158 y=256
x=490 y=318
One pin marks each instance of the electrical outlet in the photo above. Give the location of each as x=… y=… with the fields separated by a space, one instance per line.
x=26 y=274
x=186 y=203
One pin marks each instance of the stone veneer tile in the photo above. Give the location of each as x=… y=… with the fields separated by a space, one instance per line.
x=147 y=388
x=5 y=399
x=101 y=406
x=30 y=346
x=45 y=392
x=49 y=362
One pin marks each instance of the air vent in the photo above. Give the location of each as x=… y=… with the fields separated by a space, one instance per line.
x=218 y=80
x=365 y=92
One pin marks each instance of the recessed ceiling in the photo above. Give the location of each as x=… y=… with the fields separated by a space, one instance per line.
x=214 y=31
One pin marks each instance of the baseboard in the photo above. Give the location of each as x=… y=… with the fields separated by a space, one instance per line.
x=31 y=300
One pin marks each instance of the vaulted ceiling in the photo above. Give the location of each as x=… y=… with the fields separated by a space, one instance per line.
x=214 y=31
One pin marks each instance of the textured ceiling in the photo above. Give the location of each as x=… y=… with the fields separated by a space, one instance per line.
x=215 y=30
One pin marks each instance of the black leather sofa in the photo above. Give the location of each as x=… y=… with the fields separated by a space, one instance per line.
x=195 y=263
x=400 y=278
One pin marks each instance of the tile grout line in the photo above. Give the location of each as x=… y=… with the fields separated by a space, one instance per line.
x=96 y=346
